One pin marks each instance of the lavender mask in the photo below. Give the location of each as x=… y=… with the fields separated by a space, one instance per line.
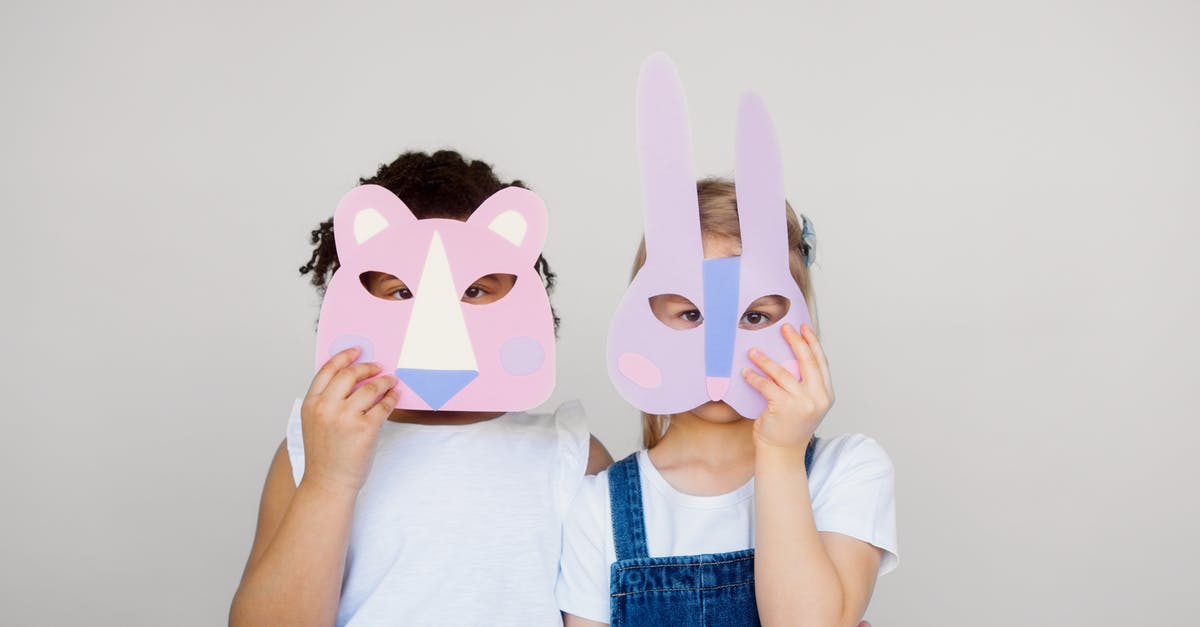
x=663 y=370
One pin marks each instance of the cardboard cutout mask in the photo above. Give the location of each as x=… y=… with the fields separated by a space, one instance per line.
x=447 y=353
x=665 y=370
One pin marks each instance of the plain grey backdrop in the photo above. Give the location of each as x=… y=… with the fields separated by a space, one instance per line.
x=1005 y=195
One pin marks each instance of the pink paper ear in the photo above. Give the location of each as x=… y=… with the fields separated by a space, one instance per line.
x=363 y=213
x=517 y=215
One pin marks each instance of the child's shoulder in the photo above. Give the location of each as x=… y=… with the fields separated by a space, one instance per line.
x=850 y=447
x=564 y=431
x=565 y=427
x=853 y=492
x=568 y=417
x=592 y=499
x=847 y=456
x=588 y=513
x=592 y=503
x=593 y=492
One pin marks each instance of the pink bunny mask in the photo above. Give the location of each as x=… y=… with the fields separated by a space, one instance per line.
x=448 y=354
x=662 y=370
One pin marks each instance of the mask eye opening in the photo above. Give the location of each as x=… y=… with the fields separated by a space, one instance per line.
x=765 y=312
x=675 y=311
x=384 y=286
x=489 y=288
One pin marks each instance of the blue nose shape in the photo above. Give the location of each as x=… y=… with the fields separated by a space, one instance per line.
x=435 y=387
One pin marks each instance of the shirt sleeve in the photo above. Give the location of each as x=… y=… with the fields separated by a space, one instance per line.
x=295 y=442
x=583 y=575
x=856 y=495
x=574 y=441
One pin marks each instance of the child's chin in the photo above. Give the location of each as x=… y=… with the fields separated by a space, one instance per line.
x=717 y=411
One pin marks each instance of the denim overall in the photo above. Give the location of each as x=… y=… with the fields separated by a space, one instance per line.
x=691 y=590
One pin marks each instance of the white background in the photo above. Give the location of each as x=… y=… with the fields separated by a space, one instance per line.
x=1005 y=196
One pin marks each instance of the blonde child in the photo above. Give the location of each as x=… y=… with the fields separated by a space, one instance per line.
x=722 y=520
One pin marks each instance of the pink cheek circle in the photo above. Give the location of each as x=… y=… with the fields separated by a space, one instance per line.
x=346 y=341
x=521 y=356
x=640 y=370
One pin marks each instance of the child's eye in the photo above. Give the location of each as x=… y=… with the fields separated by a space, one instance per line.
x=384 y=285
x=764 y=312
x=488 y=289
x=676 y=312
x=754 y=319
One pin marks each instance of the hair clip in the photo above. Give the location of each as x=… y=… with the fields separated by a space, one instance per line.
x=808 y=241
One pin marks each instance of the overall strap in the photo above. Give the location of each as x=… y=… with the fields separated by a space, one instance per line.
x=625 y=497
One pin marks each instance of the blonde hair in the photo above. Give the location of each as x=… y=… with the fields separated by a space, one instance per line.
x=719 y=218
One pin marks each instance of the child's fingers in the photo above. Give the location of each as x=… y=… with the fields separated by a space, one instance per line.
x=346 y=378
x=765 y=386
x=325 y=373
x=778 y=374
x=815 y=344
x=381 y=410
x=806 y=362
x=370 y=392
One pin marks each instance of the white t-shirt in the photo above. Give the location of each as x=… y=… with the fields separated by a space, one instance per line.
x=460 y=525
x=852 y=489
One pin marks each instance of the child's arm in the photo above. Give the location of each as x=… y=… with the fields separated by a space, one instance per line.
x=598 y=457
x=802 y=576
x=294 y=573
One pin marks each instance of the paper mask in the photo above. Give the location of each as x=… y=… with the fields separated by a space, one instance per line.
x=662 y=370
x=448 y=354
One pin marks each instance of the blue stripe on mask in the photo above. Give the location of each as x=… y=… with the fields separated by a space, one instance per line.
x=720 y=313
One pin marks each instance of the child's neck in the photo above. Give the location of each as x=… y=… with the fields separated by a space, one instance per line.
x=446 y=418
x=705 y=458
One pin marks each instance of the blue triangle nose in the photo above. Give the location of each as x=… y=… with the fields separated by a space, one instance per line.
x=435 y=387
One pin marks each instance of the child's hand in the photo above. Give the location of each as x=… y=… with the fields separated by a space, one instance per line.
x=794 y=406
x=341 y=424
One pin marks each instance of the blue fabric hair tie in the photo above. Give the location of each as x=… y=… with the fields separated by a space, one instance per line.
x=808 y=241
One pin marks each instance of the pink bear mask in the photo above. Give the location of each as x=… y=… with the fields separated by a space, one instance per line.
x=448 y=354
x=662 y=370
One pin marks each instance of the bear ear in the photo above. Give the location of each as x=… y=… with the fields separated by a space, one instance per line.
x=517 y=215
x=363 y=213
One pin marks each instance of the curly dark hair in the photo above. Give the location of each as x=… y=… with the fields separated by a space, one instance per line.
x=440 y=185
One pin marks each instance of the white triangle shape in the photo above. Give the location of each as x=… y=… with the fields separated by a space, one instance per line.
x=437 y=337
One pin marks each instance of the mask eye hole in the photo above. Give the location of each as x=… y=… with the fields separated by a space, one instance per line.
x=488 y=289
x=764 y=312
x=385 y=286
x=675 y=311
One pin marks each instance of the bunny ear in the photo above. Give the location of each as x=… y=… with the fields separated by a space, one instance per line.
x=363 y=213
x=762 y=214
x=668 y=180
